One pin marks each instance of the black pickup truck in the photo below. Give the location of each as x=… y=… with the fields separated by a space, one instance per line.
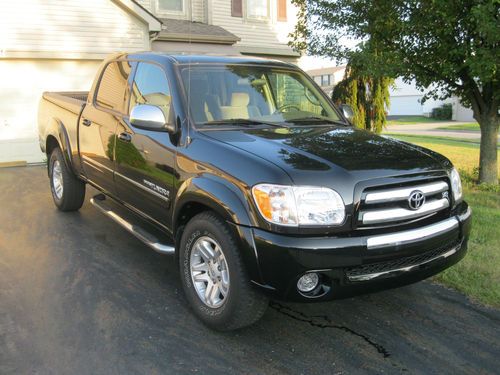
x=245 y=171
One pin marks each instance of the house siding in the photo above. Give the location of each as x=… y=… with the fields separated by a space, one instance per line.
x=59 y=27
x=254 y=33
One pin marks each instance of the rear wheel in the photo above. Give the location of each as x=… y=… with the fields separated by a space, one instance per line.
x=68 y=191
x=213 y=275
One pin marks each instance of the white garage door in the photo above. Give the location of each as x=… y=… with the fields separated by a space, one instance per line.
x=21 y=85
x=406 y=106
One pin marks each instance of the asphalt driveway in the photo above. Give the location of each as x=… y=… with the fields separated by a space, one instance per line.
x=79 y=295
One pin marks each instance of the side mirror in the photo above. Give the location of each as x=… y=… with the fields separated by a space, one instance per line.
x=150 y=117
x=347 y=112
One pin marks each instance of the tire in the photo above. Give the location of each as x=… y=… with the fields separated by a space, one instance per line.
x=242 y=305
x=68 y=191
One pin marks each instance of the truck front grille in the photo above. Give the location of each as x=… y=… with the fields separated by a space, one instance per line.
x=391 y=205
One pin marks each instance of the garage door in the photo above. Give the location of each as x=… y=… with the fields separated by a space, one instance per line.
x=21 y=85
x=406 y=106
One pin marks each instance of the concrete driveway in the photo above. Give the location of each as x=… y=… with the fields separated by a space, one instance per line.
x=79 y=295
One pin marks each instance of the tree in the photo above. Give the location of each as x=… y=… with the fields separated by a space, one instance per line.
x=368 y=97
x=449 y=47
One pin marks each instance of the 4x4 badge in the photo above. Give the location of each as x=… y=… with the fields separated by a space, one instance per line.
x=416 y=200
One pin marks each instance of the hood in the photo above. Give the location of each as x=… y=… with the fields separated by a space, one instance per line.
x=305 y=152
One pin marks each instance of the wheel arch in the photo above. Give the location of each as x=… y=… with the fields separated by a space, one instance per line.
x=57 y=136
x=215 y=194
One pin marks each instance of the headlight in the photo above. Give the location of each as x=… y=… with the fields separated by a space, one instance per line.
x=456 y=185
x=299 y=205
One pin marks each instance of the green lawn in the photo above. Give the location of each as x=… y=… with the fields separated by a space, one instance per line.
x=469 y=126
x=478 y=274
x=410 y=120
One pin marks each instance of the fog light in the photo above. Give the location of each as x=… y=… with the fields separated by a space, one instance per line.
x=308 y=282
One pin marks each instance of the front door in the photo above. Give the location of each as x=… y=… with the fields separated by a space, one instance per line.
x=145 y=160
x=98 y=125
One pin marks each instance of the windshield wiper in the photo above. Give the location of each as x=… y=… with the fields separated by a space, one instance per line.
x=317 y=119
x=241 y=121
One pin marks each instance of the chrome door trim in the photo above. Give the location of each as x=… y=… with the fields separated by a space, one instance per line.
x=95 y=164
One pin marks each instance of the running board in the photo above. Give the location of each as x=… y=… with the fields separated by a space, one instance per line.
x=100 y=202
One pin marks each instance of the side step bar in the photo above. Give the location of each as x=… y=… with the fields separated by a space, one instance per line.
x=99 y=201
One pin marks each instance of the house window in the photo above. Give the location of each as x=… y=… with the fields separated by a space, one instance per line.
x=258 y=9
x=175 y=6
x=281 y=11
x=325 y=80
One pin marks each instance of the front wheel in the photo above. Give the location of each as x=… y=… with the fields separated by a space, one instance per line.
x=68 y=191
x=213 y=275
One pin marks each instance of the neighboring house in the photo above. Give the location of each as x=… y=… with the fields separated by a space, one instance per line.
x=327 y=78
x=406 y=101
x=58 y=45
x=405 y=97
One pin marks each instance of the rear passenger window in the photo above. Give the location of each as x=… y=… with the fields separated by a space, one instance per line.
x=111 y=93
x=150 y=86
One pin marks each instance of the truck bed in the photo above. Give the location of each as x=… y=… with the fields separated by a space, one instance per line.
x=62 y=108
x=69 y=100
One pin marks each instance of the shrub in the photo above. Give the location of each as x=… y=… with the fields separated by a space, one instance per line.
x=443 y=112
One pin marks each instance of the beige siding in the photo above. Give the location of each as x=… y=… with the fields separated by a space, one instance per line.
x=265 y=34
x=69 y=26
x=198 y=8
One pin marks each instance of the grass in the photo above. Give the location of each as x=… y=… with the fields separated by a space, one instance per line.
x=410 y=120
x=474 y=126
x=478 y=274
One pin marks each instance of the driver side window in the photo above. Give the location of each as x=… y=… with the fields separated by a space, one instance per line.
x=150 y=86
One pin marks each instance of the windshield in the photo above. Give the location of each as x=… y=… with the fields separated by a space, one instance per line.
x=219 y=94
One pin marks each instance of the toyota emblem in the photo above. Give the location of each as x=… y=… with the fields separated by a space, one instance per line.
x=416 y=200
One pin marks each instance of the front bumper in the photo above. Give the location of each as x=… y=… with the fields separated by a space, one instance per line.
x=353 y=265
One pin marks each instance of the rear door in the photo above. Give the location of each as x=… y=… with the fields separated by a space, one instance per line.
x=145 y=159
x=98 y=124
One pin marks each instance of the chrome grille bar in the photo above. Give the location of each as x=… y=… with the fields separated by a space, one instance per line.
x=398 y=194
x=400 y=238
x=397 y=214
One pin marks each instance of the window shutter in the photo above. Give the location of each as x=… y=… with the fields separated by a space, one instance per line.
x=237 y=8
x=281 y=10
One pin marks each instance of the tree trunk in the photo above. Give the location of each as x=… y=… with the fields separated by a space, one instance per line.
x=488 y=157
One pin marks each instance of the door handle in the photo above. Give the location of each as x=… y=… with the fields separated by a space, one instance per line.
x=86 y=122
x=125 y=137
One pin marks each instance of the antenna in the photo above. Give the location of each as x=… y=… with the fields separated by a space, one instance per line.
x=188 y=137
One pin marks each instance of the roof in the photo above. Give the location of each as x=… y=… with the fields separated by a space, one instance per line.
x=154 y=23
x=330 y=70
x=207 y=59
x=197 y=32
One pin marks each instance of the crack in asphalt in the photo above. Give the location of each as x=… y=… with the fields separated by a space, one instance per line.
x=315 y=321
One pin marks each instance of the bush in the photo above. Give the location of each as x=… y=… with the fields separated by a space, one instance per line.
x=442 y=113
